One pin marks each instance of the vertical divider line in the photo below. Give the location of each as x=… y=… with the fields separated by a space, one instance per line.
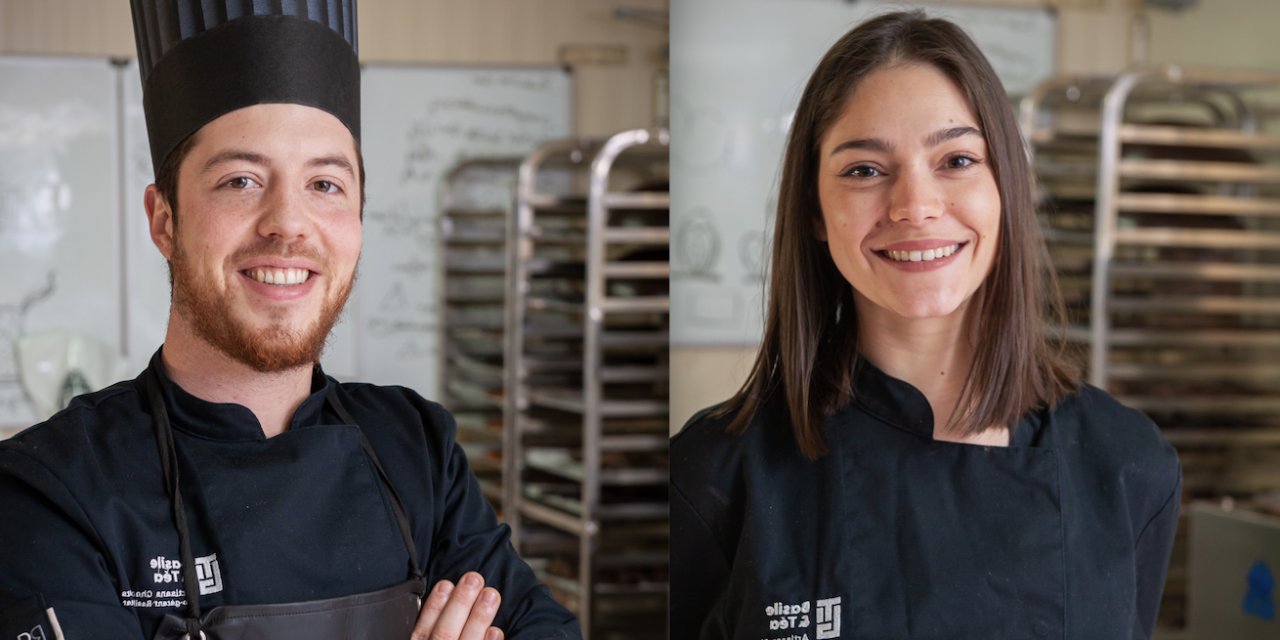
x=122 y=200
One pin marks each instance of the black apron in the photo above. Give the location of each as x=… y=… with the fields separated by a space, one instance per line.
x=379 y=615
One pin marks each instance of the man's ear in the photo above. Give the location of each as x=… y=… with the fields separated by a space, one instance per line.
x=160 y=220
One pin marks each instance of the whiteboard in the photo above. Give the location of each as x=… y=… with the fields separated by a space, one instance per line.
x=416 y=122
x=60 y=264
x=147 y=287
x=738 y=68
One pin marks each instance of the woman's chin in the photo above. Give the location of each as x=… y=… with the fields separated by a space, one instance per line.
x=926 y=309
x=921 y=303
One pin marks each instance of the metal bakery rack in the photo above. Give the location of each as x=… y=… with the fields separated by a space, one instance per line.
x=477 y=198
x=1159 y=196
x=585 y=484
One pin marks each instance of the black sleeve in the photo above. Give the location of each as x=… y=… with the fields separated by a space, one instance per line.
x=1151 y=559
x=48 y=556
x=699 y=574
x=469 y=538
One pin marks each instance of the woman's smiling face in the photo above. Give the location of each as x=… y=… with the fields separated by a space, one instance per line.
x=910 y=206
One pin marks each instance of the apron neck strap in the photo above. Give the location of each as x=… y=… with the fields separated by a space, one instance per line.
x=169 y=465
x=397 y=508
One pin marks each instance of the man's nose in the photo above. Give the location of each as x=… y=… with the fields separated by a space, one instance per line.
x=285 y=214
x=916 y=196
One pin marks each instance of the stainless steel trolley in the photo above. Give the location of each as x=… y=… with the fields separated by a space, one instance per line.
x=586 y=367
x=1159 y=195
x=476 y=199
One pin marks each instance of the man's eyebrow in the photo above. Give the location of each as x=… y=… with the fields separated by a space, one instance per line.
x=228 y=156
x=332 y=161
x=945 y=135
x=874 y=144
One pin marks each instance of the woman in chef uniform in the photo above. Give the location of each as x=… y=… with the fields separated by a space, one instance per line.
x=909 y=458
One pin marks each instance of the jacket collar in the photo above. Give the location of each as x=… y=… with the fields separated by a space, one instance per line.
x=898 y=403
x=891 y=400
x=227 y=421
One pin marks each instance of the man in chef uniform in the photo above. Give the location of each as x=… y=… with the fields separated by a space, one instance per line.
x=232 y=467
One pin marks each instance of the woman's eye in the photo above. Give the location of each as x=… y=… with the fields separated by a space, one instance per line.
x=241 y=183
x=960 y=162
x=862 y=171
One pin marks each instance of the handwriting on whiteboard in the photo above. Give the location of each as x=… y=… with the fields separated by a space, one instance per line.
x=451 y=123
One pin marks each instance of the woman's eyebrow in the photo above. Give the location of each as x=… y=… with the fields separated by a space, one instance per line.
x=874 y=144
x=936 y=138
x=944 y=135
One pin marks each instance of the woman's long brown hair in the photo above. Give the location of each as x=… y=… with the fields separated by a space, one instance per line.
x=811 y=328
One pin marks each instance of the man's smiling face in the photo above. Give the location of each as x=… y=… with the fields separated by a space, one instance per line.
x=264 y=245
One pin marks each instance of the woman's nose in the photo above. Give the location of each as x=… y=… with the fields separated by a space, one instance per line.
x=915 y=196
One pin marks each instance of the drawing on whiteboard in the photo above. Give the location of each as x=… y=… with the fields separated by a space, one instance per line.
x=413 y=350
x=35 y=202
x=382 y=326
x=13 y=317
x=751 y=256
x=138 y=158
x=466 y=122
x=696 y=247
x=707 y=137
x=413 y=268
x=395 y=300
x=401 y=223
x=541 y=84
x=753 y=245
x=13 y=320
x=507 y=112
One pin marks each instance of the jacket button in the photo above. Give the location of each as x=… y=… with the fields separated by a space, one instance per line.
x=1041 y=628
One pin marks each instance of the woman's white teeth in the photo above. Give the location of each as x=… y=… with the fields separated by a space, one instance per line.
x=922 y=256
x=281 y=277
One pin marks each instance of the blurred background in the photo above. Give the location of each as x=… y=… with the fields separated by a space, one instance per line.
x=541 y=311
x=458 y=97
x=1154 y=129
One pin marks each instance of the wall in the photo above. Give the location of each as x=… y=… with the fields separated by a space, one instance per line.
x=1218 y=33
x=609 y=97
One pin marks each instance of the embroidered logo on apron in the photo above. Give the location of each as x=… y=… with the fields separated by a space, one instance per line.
x=207 y=574
x=823 y=616
x=827 y=613
x=167 y=571
x=36 y=634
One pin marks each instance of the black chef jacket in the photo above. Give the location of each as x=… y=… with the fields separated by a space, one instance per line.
x=1066 y=533
x=85 y=521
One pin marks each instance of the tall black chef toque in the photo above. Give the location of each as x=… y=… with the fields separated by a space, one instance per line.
x=201 y=59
